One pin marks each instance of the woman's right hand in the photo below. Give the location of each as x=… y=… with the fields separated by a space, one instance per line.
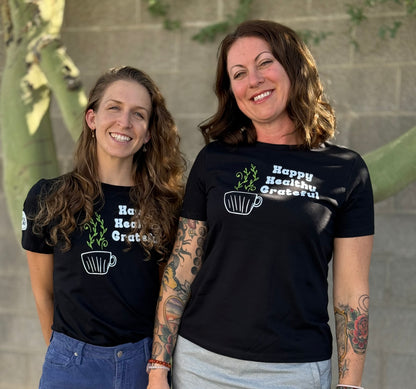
x=158 y=379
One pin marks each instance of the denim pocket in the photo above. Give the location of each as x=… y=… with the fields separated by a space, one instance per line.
x=58 y=356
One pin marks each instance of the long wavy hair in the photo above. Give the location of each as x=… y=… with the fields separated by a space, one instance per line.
x=307 y=107
x=157 y=173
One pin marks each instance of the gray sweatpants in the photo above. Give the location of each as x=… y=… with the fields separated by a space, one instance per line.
x=197 y=368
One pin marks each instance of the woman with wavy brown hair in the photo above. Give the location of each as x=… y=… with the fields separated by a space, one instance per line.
x=269 y=202
x=96 y=236
x=312 y=116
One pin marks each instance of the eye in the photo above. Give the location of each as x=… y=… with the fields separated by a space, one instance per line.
x=113 y=107
x=265 y=62
x=138 y=115
x=238 y=75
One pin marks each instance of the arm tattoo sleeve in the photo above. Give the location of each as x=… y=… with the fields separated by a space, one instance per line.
x=183 y=266
x=352 y=331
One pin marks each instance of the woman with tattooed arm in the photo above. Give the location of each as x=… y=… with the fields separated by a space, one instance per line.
x=269 y=202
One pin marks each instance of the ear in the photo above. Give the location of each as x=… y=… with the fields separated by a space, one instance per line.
x=90 y=118
x=147 y=137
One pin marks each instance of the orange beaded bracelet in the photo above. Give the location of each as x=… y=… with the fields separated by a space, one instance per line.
x=156 y=364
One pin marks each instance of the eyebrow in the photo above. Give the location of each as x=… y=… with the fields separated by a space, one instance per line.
x=120 y=102
x=256 y=58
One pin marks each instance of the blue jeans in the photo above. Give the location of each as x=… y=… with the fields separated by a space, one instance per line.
x=71 y=364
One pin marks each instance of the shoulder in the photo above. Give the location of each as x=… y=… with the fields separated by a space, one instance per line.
x=40 y=190
x=335 y=149
x=43 y=186
x=342 y=153
x=220 y=147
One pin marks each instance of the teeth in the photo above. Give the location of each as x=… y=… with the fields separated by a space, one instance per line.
x=120 y=138
x=262 y=96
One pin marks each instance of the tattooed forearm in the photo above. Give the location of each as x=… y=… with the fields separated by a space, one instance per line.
x=183 y=266
x=351 y=331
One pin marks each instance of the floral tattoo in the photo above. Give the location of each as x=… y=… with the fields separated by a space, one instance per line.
x=187 y=253
x=352 y=331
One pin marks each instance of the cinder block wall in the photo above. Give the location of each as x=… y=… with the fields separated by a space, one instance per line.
x=373 y=91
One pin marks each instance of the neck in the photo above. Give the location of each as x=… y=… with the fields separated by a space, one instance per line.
x=116 y=175
x=282 y=137
x=282 y=132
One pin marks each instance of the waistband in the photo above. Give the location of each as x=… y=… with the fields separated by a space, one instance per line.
x=82 y=349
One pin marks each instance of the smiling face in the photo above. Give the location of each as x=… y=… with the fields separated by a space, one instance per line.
x=121 y=122
x=260 y=85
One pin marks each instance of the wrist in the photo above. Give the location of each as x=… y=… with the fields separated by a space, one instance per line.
x=157 y=373
x=157 y=365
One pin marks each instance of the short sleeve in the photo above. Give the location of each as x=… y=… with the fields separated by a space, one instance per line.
x=31 y=241
x=356 y=215
x=194 y=204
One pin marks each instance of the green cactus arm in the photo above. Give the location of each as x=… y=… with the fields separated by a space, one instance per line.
x=27 y=140
x=393 y=166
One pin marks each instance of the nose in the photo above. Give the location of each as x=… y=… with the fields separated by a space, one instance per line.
x=255 y=78
x=124 y=119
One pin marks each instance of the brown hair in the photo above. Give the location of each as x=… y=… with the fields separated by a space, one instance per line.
x=157 y=174
x=312 y=115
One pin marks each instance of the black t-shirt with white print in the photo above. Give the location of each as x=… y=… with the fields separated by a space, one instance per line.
x=104 y=294
x=272 y=212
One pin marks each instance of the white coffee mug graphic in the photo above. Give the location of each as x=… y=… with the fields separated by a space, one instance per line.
x=98 y=262
x=241 y=203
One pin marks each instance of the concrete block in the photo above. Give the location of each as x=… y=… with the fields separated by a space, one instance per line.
x=386 y=205
x=395 y=235
x=12 y=370
x=392 y=328
x=373 y=366
x=185 y=11
x=401 y=48
x=192 y=54
x=400 y=371
x=191 y=138
x=361 y=89
x=378 y=279
x=190 y=94
x=280 y=10
x=402 y=281
x=407 y=100
x=343 y=128
x=1 y=171
x=333 y=50
x=34 y=368
x=105 y=13
x=12 y=259
x=154 y=49
x=13 y=296
x=15 y=332
x=35 y=341
x=405 y=200
x=371 y=131
x=335 y=8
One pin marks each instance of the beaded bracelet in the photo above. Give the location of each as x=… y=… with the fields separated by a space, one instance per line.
x=151 y=366
x=157 y=362
x=349 y=386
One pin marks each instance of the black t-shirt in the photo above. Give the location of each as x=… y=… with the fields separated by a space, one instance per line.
x=103 y=294
x=272 y=212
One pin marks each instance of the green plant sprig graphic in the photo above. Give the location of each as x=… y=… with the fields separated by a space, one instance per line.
x=97 y=231
x=247 y=178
